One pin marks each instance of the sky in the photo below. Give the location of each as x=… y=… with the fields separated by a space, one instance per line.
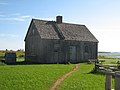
x=102 y=17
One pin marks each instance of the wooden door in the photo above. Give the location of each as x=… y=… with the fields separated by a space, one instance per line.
x=56 y=57
x=72 y=51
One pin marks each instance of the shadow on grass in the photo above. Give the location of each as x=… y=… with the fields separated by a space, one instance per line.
x=98 y=72
x=2 y=62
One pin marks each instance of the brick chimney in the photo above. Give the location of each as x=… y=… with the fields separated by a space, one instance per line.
x=59 y=19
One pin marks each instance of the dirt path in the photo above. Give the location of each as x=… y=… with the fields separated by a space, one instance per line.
x=59 y=81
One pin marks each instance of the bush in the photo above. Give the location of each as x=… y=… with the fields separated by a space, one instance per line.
x=102 y=57
x=21 y=56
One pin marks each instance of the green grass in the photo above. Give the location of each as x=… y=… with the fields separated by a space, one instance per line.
x=2 y=64
x=30 y=77
x=2 y=53
x=41 y=77
x=20 y=54
x=20 y=59
x=84 y=80
x=110 y=61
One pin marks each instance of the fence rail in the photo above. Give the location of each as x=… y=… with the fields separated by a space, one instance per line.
x=108 y=82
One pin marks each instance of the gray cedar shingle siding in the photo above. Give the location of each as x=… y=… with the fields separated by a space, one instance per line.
x=53 y=42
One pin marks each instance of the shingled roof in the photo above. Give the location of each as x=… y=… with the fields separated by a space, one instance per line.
x=65 y=31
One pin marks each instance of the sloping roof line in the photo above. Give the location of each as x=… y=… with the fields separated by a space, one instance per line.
x=28 y=29
x=65 y=31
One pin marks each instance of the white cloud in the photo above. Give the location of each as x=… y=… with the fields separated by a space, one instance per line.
x=14 y=17
x=2 y=15
x=14 y=14
x=2 y=3
x=25 y=16
x=48 y=19
x=9 y=35
x=21 y=18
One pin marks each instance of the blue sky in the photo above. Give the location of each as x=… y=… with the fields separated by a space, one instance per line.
x=102 y=17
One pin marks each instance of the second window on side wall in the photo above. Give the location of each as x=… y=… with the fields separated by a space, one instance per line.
x=56 y=47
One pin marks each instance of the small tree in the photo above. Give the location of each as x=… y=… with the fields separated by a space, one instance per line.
x=118 y=64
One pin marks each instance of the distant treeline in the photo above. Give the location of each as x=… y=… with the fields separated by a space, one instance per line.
x=104 y=52
x=19 y=53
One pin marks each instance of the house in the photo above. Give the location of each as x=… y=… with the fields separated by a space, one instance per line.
x=58 y=42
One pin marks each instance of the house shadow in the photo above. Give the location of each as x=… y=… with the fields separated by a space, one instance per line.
x=17 y=63
x=97 y=72
x=33 y=63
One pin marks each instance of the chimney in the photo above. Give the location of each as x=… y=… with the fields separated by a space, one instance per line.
x=59 y=19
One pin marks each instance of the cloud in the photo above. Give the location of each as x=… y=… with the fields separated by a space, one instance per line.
x=14 y=17
x=9 y=35
x=2 y=15
x=2 y=3
x=48 y=19
x=14 y=14
x=20 y=18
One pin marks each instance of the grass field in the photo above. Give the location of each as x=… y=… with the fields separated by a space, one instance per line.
x=41 y=76
x=30 y=77
x=109 y=58
x=84 y=80
x=111 y=55
x=110 y=61
x=2 y=53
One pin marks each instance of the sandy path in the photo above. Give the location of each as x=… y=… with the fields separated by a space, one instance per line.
x=59 y=81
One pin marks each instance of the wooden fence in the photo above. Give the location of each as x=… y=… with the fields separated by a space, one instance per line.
x=108 y=83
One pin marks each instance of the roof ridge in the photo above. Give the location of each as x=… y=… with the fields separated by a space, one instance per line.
x=73 y=24
x=55 y=22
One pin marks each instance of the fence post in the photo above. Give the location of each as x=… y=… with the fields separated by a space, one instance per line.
x=117 y=80
x=108 y=83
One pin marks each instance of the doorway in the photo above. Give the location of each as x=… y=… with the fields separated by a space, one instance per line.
x=56 y=57
x=72 y=51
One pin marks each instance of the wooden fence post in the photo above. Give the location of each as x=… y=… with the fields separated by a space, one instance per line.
x=117 y=80
x=108 y=83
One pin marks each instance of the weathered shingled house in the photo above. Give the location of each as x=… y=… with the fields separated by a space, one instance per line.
x=58 y=42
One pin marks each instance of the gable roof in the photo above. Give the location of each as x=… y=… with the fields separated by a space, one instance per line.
x=66 y=31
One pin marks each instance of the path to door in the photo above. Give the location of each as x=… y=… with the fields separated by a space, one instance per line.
x=59 y=81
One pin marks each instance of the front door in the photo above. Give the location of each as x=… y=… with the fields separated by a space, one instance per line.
x=72 y=51
x=56 y=57
x=86 y=53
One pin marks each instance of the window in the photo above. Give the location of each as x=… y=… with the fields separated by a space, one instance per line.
x=86 y=49
x=33 y=31
x=56 y=47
